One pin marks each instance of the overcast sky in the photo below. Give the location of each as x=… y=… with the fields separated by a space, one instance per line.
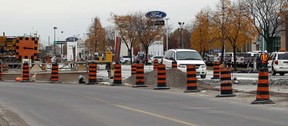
x=19 y=17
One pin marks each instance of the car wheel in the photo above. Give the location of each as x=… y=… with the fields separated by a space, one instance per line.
x=203 y=76
x=282 y=74
x=273 y=71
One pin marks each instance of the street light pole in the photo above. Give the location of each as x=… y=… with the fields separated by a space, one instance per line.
x=54 y=40
x=181 y=35
x=167 y=33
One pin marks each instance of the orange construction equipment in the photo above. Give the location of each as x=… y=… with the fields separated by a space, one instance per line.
x=226 y=83
x=174 y=64
x=117 y=79
x=54 y=72
x=140 y=76
x=161 y=77
x=262 y=96
x=92 y=73
x=25 y=72
x=155 y=64
x=191 y=79
x=216 y=70
x=133 y=68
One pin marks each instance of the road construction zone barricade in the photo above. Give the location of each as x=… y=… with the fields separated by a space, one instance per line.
x=25 y=72
x=155 y=64
x=54 y=72
x=226 y=83
x=174 y=64
x=191 y=79
x=117 y=79
x=161 y=77
x=133 y=68
x=0 y=71
x=92 y=73
x=216 y=70
x=140 y=76
x=262 y=96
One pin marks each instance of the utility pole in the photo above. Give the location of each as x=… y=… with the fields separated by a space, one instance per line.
x=167 y=34
x=222 y=33
x=54 y=40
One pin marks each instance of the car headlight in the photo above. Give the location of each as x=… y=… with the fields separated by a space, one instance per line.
x=181 y=66
x=203 y=66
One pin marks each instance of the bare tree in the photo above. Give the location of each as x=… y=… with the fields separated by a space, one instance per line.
x=110 y=38
x=146 y=33
x=126 y=31
x=266 y=15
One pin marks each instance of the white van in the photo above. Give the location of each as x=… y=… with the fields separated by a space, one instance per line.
x=184 y=57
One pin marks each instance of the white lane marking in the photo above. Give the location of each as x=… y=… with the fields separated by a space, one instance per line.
x=144 y=112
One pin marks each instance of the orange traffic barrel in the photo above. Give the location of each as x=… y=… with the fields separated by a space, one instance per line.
x=140 y=76
x=174 y=64
x=191 y=79
x=155 y=64
x=54 y=72
x=117 y=79
x=262 y=96
x=92 y=68
x=133 y=68
x=216 y=70
x=161 y=77
x=226 y=83
x=25 y=72
x=0 y=71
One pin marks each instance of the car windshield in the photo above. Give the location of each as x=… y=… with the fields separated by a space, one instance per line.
x=188 y=55
x=283 y=56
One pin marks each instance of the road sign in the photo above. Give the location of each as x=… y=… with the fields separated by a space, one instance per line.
x=159 y=22
x=60 y=42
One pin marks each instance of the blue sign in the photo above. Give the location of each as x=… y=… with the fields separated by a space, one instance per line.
x=71 y=39
x=156 y=14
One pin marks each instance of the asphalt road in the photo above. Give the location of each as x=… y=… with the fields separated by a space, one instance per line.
x=95 y=105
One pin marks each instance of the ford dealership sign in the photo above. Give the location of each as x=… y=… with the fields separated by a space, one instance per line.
x=156 y=14
x=71 y=39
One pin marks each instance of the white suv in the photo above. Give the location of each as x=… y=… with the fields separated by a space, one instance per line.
x=184 y=57
x=278 y=63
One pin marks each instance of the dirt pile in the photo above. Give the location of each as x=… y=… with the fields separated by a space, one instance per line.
x=174 y=78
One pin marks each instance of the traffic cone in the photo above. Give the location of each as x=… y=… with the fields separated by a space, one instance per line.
x=54 y=72
x=25 y=72
x=117 y=79
x=191 y=79
x=226 y=83
x=140 y=76
x=216 y=70
x=92 y=73
x=161 y=77
x=262 y=96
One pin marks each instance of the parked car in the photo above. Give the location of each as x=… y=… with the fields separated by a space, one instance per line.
x=125 y=59
x=141 y=58
x=159 y=58
x=278 y=63
x=185 y=57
